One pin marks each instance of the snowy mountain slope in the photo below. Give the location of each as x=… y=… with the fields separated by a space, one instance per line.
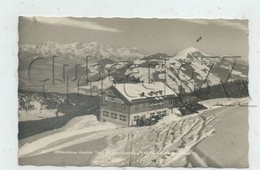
x=187 y=70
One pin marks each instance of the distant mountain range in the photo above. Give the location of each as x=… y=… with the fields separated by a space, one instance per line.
x=79 y=50
x=188 y=68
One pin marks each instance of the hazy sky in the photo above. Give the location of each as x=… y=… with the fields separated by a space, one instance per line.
x=219 y=37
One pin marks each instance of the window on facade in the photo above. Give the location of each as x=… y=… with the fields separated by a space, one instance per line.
x=123 y=106
x=109 y=94
x=114 y=104
x=113 y=116
x=164 y=112
x=171 y=101
x=136 y=117
x=105 y=113
x=144 y=105
x=122 y=117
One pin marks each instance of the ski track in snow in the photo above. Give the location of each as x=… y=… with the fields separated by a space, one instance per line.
x=158 y=146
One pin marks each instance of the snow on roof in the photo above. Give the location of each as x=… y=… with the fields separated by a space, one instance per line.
x=144 y=90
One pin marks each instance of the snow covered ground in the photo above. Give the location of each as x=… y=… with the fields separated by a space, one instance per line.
x=228 y=147
x=77 y=126
x=220 y=102
x=39 y=112
x=173 y=141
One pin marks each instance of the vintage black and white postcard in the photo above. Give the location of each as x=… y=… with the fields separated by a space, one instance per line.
x=133 y=92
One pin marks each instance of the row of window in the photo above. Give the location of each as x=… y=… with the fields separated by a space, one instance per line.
x=156 y=104
x=114 y=115
x=159 y=113
x=122 y=105
x=151 y=105
x=115 y=105
x=137 y=106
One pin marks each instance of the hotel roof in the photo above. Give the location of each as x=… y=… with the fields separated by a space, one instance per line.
x=140 y=91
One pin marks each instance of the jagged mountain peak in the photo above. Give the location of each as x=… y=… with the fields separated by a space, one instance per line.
x=78 y=50
x=190 y=50
x=190 y=54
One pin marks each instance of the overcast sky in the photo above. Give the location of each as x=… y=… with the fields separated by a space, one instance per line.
x=218 y=37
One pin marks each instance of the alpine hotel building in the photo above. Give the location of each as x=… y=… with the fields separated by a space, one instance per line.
x=126 y=103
